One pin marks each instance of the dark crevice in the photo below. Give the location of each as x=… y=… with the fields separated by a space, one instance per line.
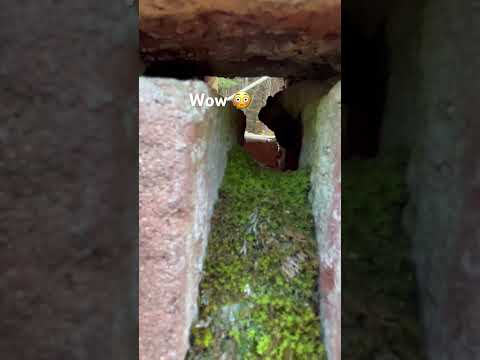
x=287 y=129
x=363 y=101
x=255 y=66
x=176 y=69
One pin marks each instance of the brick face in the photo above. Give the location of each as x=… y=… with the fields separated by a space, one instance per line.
x=182 y=157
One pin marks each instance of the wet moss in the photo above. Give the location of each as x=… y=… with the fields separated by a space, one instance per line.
x=258 y=296
x=379 y=306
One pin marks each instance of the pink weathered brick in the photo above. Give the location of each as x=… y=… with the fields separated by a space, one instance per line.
x=182 y=157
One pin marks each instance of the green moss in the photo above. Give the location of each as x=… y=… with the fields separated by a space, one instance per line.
x=379 y=308
x=226 y=83
x=203 y=338
x=258 y=293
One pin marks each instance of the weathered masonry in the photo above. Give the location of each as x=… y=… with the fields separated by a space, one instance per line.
x=183 y=150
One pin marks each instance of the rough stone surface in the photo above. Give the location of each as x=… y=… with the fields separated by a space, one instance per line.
x=243 y=38
x=325 y=159
x=283 y=114
x=68 y=195
x=307 y=96
x=318 y=105
x=303 y=93
x=182 y=159
x=444 y=180
x=441 y=123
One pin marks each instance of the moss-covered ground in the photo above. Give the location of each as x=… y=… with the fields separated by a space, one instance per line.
x=379 y=306
x=258 y=295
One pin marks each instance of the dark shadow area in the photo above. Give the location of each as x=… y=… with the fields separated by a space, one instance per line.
x=380 y=307
x=288 y=130
x=182 y=70
x=363 y=100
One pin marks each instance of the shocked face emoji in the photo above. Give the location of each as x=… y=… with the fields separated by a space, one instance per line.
x=241 y=100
